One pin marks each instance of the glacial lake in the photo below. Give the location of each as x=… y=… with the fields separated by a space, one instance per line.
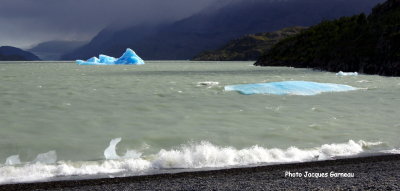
x=176 y=115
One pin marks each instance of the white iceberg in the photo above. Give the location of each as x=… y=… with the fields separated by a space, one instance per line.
x=289 y=88
x=128 y=58
x=346 y=73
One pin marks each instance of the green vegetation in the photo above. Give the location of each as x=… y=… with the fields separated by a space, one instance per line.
x=366 y=44
x=249 y=47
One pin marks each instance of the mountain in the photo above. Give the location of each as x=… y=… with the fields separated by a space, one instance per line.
x=113 y=42
x=248 y=47
x=52 y=50
x=9 y=53
x=212 y=28
x=365 y=44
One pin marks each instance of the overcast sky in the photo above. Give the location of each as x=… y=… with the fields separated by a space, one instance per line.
x=24 y=23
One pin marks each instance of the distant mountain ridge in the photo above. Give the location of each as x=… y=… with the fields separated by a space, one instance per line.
x=209 y=30
x=366 y=44
x=248 y=47
x=53 y=50
x=9 y=53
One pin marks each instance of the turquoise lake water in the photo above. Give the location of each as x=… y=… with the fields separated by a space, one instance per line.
x=176 y=115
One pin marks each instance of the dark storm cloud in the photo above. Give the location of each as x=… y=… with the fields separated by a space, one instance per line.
x=25 y=22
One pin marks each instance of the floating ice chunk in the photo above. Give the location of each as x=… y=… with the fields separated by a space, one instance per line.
x=13 y=160
x=110 y=152
x=346 y=73
x=208 y=83
x=128 y=58
x=46 y=158
x=289 y=88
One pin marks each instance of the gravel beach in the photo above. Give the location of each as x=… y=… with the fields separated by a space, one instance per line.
x=363 y=173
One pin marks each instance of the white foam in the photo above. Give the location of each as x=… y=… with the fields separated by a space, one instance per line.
x=189 y=156
x=392 y=151
x=41 y=172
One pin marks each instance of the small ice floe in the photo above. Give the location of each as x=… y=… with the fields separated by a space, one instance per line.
x=207 y=83
x=13 y=160
x=67 y=104
x=46 y=158
x=363 y=81
x=303 y=88
x=346 y=73
x=273 y=108
x=42 y=158
x=128 y=58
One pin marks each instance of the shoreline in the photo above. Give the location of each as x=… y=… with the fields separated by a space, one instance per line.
x=370 y=173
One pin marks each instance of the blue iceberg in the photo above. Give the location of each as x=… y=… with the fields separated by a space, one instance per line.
x=289 y=88
x=128 y=58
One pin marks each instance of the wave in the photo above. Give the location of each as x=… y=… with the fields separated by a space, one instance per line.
x=188 y=156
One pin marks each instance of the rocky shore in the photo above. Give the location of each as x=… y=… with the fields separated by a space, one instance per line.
x=363 y=173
